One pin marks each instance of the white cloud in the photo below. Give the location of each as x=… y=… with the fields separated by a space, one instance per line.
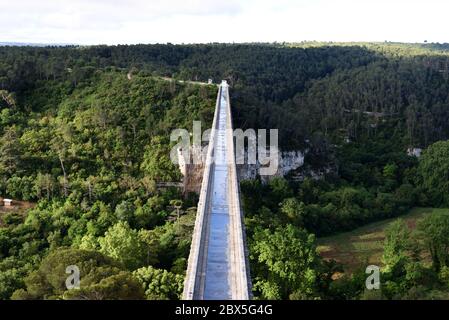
x=177 y=21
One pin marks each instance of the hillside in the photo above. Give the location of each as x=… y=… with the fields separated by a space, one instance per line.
x=365 y=244
x=308 y=89
x=91 y=155
x=84 y=134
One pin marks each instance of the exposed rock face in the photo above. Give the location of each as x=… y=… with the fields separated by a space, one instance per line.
x=313 y=173
x=414 y=152
x=288 y=161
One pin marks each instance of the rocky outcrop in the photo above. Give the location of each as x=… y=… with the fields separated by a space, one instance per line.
x=414 y=152
x=291 y=163
x=288 y=161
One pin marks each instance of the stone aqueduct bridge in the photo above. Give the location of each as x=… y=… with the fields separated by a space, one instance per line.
x=218 y=267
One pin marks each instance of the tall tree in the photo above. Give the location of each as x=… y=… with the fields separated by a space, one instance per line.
x=157 y=164
x=9 y=152
x=434 y=229
x=397 y=242
x=289 y=259
x=124 y=244
x=434 y=172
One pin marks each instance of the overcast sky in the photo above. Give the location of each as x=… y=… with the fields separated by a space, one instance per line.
x=193 y=21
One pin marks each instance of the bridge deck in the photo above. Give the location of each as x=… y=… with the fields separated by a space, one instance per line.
x=217 y=262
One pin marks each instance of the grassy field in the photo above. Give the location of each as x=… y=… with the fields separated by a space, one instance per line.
x=364 y=245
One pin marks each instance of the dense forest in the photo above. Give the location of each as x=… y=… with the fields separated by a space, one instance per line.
x=92 y=155
x=85 y=140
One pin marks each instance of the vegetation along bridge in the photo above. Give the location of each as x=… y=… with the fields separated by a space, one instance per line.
x=218 y=267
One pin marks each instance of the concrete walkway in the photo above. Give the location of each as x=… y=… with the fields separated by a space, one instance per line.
x=217 y=269
x=218 y=266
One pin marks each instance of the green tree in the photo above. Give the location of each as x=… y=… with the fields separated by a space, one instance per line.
x=9 y=151
x=390 y=171
x=280 y=189
x=434 y=229
x=157 y=164
x=44 y=185
x=10 y=280
x=177 y=205
x=125 y=211
x=49 y=280
x=293 y=210
x=160 y=284
x=289 y=259
x=396 y=244
x=107 y=283
x=124 y=244
x=434 y=171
